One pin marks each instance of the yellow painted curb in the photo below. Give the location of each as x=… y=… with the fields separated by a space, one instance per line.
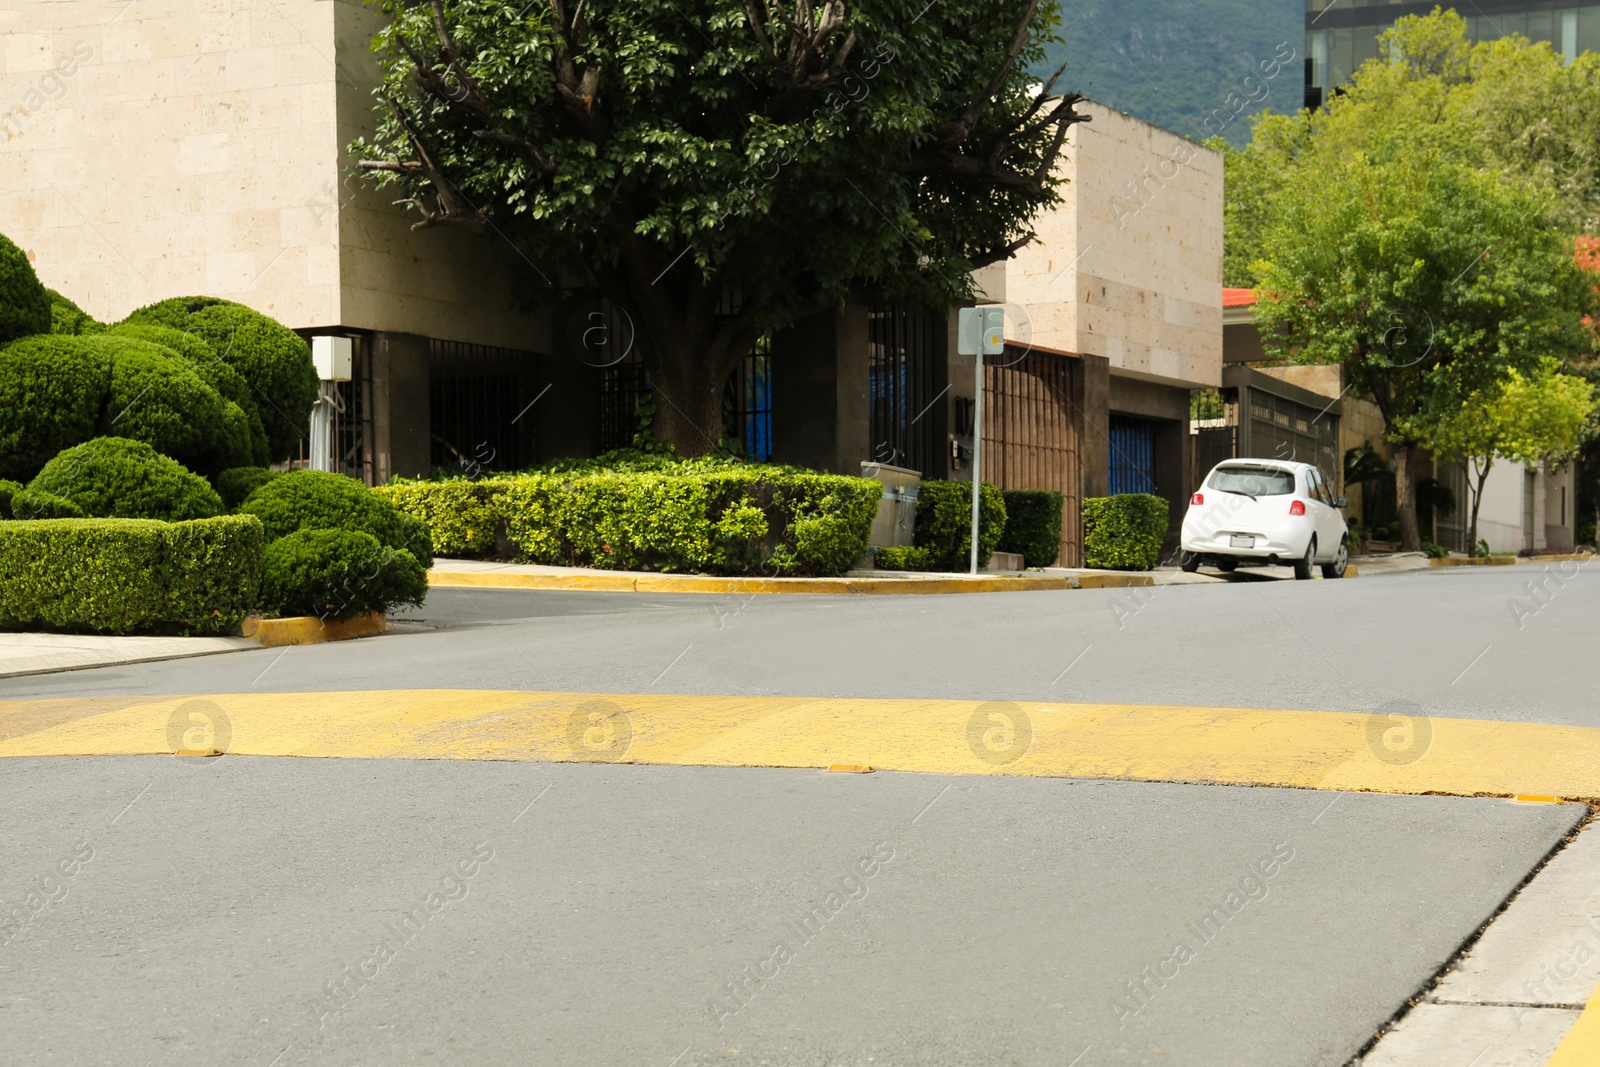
x=310 y=630
x=1473 y=561
x=1561 y=557
x=698 y=583
x=1306 y=749
x=1581 y=1046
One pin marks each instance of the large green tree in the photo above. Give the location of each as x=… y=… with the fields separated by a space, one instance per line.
x=720 y=168
x=1429 y=281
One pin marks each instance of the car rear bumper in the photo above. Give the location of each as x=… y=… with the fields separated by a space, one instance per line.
x=1279 y=545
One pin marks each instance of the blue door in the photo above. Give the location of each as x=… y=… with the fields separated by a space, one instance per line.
x=1132 y=459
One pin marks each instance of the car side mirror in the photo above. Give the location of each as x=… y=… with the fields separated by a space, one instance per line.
x=1341 y=502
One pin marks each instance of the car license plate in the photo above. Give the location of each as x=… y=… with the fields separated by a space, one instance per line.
x=1242 y=541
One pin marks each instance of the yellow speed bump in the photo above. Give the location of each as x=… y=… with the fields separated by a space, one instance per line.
x=1308 y=749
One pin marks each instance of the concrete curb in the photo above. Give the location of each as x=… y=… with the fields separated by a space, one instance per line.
x=699 y=583
x=1560 y=557
x=310 y=630
x=1473 y=561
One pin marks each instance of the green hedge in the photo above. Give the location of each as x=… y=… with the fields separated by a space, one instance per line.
x=34 y=503
x=115 y=478
x=235 y=484
x=8 y=489
x=737 y=519
x=67 y=317
x=251 y=448
x=944 y=523
x=1033 y=525
x=902 y=558
x=339 y=574
x=24 y=301
x=462 y=516
x=120 y=576
x=1124 y=532
x=322 y=500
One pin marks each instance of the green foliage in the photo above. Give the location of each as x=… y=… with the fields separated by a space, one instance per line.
x=944 y=523
x=461 y=516
x=222 y=377
x=39 y=504
x=119 y=576
x=68 y=318
x=707 y=137
x=1433 y=551
x=1033 y=525
x=1124 y=532
x=24 y=302
x=1195 y=68
x=8 y=489
x=270 y=357
x=235 y=484
x=58 y=390
x=339 y=574
x=735 y=520
x=116 y=478
x=902 y=558
x=322 y=500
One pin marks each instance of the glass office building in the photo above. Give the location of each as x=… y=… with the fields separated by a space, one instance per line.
x=1343 y=34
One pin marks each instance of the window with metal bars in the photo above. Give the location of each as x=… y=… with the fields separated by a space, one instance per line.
x=903 y=381
x=750 y=403
x=480 y=400
x=1132 y=455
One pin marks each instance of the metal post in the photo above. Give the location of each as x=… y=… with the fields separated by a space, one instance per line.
x=322 y=429
x=977 y=452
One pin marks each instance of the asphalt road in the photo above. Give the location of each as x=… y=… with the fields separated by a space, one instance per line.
x=1440 y=643
x=597 y=914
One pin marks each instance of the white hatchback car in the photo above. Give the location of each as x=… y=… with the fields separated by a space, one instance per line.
x=1266 y=511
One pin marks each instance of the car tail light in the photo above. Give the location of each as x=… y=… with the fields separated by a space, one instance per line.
x=1198 y=498
x=1297 y=508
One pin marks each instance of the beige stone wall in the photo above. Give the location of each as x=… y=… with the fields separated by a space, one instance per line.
x=1129 y=266
x=1324 y=379
x=173 y=147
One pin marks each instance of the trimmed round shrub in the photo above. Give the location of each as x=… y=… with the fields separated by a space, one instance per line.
x=321 y=500
x=37 y=504
x=235 y=484
x=115 y=478
x=68 y=318
x=228 y=383
x=273 y=359
x=57 y=391
x=1033 y=525
x=8 y=489
x=157 y=397
x=24 y=301
x=52 y=395
x=339 y=574
x=944 y=523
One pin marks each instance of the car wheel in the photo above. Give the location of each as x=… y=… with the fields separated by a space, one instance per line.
x=1188 y=562
x=1340 y=563
x=1302 y=567
x=1227 y=566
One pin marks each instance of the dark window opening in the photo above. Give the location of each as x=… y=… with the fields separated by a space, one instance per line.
x=904 y=384
x=480 y=402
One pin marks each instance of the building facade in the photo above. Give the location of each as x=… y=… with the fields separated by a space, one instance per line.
x=1342 y=36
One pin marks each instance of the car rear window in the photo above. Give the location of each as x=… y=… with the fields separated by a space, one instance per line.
x=1253 y=481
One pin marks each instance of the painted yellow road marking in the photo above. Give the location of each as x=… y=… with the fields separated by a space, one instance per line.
x=1308 y=749
x=1581 y=1046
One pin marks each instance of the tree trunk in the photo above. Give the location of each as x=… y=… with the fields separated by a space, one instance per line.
x=1477 y=499
x=1405 y=498
x=687 y=387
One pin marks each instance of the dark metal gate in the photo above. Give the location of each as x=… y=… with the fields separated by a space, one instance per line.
x=479 y=401
x=1030 y=435
x=904 y=381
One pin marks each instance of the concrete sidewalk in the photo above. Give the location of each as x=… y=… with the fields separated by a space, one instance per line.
x=22 y=654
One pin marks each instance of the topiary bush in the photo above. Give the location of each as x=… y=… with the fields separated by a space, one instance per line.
x=902 y=558
x=236 y=484
x=339 y=574
x=228 y=383
x=24 y=301
x=944 y=523
x=1124 y=532
x=8 y=489
x=273 y=359
x=32 y=504
x=68 y=318
x=322 y=500
x=119 y=576
x=113 y=477
x=57 y=391
x=1033 y=525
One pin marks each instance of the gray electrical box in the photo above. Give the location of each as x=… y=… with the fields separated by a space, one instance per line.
x=896 y=521
x=981 y=331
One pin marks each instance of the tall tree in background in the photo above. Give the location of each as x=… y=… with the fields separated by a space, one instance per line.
x=720 y=168
x=1429 y=282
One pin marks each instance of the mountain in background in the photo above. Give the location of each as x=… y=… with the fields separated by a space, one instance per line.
x=1171 y=62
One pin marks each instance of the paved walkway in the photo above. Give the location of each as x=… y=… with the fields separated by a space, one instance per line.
x=43 y=653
